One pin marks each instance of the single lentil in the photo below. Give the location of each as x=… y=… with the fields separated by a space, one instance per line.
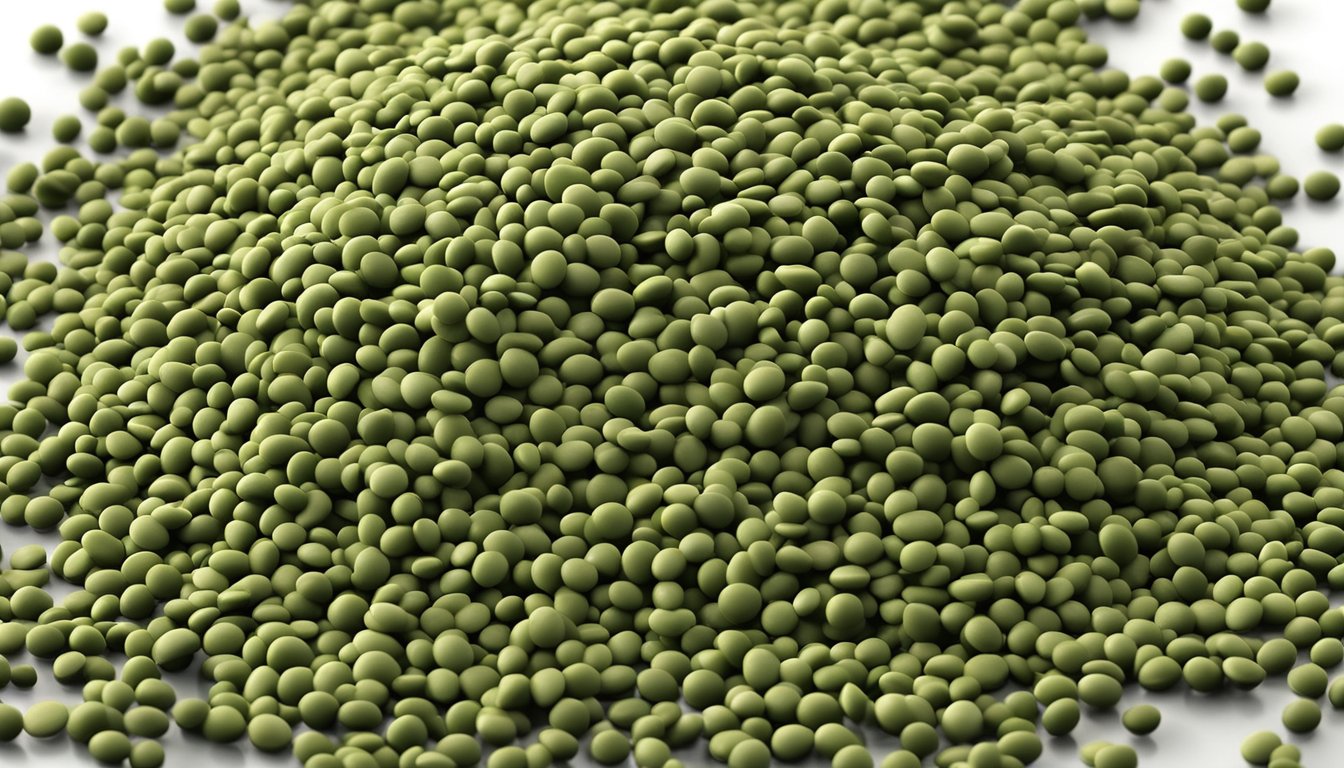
x=1211 y=88
x=1251 y=56
x=1175 y=70
x=1302 y=716
x=1282 y=83
x=1321 y=185
x=1196 y=26
x=1225 y=41
x=1330 y=137
x=80 y=57
x=1141 y=719
x=14 y=114
x=93 y=23
x=47 y=39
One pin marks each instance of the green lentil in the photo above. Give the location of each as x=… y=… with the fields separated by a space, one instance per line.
x=66 y=128
x=1281 y=186
x=1224 y=41
x=146 y=754
x=1211 y=88
x=93 y=23
x=1302 y=716
x=1257 y=747
x=1251 y=56
x=23 y=676
x=200 y=28
x=1122 y=10
x=14 y=114
x=1196 y=26
x=1175 y=70
x=227 y=10
x=1321 y=185
x=1330 y=137
x=1282 y=83
x=1141 y=719
x=1116 y=756
x=270 y=733
x=46 y=39
x=1253 y=6
x=80 y=57
x=110 y=747
x=45 y=719
x=565 y=367
x=610 y=748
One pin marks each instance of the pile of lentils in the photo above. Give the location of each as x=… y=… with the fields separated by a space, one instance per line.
x=456 y=382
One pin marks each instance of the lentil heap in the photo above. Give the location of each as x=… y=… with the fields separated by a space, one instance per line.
x=623 y=375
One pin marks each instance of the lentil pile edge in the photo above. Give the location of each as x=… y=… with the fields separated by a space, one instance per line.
x=619 y=376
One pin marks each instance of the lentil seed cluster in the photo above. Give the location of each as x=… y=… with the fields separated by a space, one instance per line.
x=623 y=375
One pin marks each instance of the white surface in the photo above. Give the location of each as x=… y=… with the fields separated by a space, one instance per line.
x=1197 y=730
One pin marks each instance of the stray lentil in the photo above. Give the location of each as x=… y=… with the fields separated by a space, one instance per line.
x=1282 y=83
x=1321 y=185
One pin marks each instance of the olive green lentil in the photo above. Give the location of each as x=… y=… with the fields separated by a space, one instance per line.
x=93 y=23
x=1116 y=756
x=200 y=28
x=1196 y=26
x=1321 y=185
x=46 y=39
x=45 y=719
x=1302 y=716
x=1251 y=56
x=1330 y=137
x=66 y=128
x=1211 y=88
x=80 y=57
x=1175 y=70
x=1225 y=41
x=1122 y=10
x=1282 y=83
x=14 y=114
x=588 y=359
x=1141 y=719
x=227 y=10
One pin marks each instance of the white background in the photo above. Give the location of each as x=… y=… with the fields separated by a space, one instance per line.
x=1303 y=35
